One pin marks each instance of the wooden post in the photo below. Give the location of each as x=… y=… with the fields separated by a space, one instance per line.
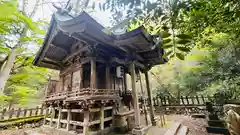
x=30 y=112
x=85 y=122
x=25 y=112
x=102 y=118
x=203 y=99
x=41 y=110
x=59 y=117
x=143 y=96
x=45 y=117
x=108 y=80
x=192 y=98
x=149 y=92
x=52 y=115
x=197 y=100
x=18 y=112
x=93 y=74
x=81 y=77
x=69 y=117
x=135 y=96
x=11 y=113
x=187 y=100
x=36 y=112
x=3 y=113
x=125 y=82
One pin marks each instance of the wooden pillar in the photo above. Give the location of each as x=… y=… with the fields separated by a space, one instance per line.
x=143 y=101
x=125 y=82
x=52 y=115
x=93 y=79
x=61 y=84
x=108 y=80
x=152 y=114
x=135 y=96
x=85 y=122
x=69 y=116
x=59 y=117
x=102 y=118
x=81 y=77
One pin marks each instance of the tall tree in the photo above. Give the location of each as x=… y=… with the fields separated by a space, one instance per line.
x=20 y=28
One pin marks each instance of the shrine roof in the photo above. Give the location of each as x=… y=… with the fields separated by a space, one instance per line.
x=65 y=31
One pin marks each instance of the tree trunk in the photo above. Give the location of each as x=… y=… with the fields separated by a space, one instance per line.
x=6 y=69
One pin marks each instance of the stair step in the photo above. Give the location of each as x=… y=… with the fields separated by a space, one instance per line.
x=173 y=129
x=183 y=130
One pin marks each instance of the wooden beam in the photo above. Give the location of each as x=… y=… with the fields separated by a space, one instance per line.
x=84 y=48
x=152 y=114
x=135 y=95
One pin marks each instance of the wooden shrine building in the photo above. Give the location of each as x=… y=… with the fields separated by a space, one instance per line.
x=93 y=65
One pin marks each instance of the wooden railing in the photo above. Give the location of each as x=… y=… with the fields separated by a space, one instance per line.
x=82 y=92
x=20 y=113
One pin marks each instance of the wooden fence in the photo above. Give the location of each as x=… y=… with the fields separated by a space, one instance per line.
x=20 y=113
x=182 y=101
x=182 y=105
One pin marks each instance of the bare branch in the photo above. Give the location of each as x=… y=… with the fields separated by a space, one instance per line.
x=44 y=3
x=34 y=8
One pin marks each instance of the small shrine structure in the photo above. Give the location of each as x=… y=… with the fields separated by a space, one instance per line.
x=91 y=95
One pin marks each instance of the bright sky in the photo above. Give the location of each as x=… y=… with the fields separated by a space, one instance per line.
x=46 y=10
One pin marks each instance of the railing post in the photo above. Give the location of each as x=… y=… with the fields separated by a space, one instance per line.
x=11 y=113
x=197 y=100
x=18 y=112
x=30 y=112
x=203 y=99
x=36 y=112
x=168 y=99
x=182 y=100
x=192 y=100
x=3 y=113
x=25 y=112
x=187 y=100
x=41 y=110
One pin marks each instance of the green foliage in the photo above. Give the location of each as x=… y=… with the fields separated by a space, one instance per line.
x=18 y=31
x=204 y=34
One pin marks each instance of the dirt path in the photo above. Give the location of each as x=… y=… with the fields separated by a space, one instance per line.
x=196 y=127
